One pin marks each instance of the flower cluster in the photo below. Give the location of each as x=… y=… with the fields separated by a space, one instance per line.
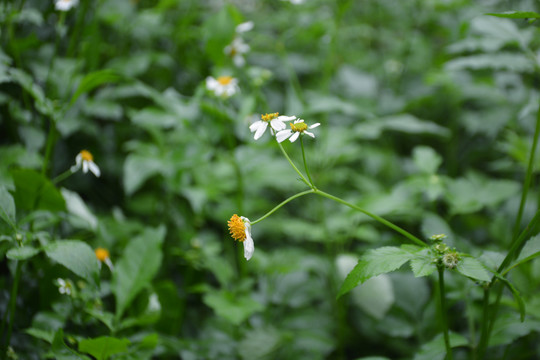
x=298 y=127
x=443 y=255
x=237 y=48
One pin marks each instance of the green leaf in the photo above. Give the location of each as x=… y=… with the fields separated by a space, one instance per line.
x=376 y=262
x=517 y=15
x=104 y=346
x=261 y=343
x=61 y=351
x=515 y=293
x=95 y=79
x=77 y=256
x=473 y=268
x=7 y=207
x=426 y=159
x=235 y=308
x=422 y=263
x=499 y=61
x=137 y=169
x=436 y=350
x=34 y=191
x=21 y=253
x=529 y=251
x=137 y=267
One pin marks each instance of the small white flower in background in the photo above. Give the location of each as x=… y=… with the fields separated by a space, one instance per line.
x=299 y=127
x=240 y=229
x=276 y=123
x=64 y=287
x=295 y=2
x=223 y=86
x=65 y=5
x=244 y=27
x=85 y=160
x=236 y=49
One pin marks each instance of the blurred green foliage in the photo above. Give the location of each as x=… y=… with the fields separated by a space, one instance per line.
x=428 y=112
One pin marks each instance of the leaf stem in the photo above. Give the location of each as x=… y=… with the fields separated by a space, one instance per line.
x=62 y=176
x=444 y=319
x=303 y=178
x=12 y=305
x=281 y=204
x=305 y=163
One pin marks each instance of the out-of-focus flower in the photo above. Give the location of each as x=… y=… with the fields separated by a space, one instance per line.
x=276 y=123
x=85 y=160
x=236 y=51
x=240 y=229
x=244 y=27
x=295 y=2
x=64 y=287
x=65 y=5
x=223 y=86
x=103 y=256
x=297 y=128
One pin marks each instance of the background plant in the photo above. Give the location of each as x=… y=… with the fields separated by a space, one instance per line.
x=428 y=113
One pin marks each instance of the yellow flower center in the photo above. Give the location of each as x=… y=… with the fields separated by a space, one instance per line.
x=102 y=254
x=224 y=80
x=237 y=228
x=298 y=127
x=268 y=117
x=86 y=155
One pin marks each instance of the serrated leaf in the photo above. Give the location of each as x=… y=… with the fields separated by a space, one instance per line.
x=21 y=253
x=517 y=15
x=77 y=207
x=34 y=191
x=473 y=268
x=235 y=308
x=77 y=256
x=375 y=262
x=137 y=267
x=422 y=264
x=104 y=346
x=7 y=207
x=530 y=250
x=95 y=79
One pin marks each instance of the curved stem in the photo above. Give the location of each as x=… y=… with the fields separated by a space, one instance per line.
x=383 y=221
x=305 y=163
x=444 y=320
x=62 y=176
x=281 y=204
x=294 y=166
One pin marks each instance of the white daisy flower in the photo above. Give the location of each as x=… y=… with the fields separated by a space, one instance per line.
x=236 y=49
x=223 y=86
x=244 y=27
x=276 y=123
x=65 y=5
x=64 y=287
x=240 y=229
x=85 y=160
x=299 y=127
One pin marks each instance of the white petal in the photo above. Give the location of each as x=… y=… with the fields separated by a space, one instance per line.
x=239 y=60
x=294 y=137
x=314 y=125
x=310 y=134
x=253 y=127
x=78 y=160
x=94 y=168
x=249 y=246
x=283 y=135
x=298 y=121
x=85 y=166
x=245 y=26
x=261 y=130
x=286 y=118
x=277 y=124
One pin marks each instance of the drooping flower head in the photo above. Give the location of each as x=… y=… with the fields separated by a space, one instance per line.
x=297 y=128
x=104 y=256
x=85 y=160
x=223 y=86
x=65 y=5
x=276 y=123
x=240 y=229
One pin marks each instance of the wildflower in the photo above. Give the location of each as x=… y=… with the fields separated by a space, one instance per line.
x=223 y=86
x=240 y=229
x=295 y=2
x=437 y=237
x=104 y=256
x=276 y=123
x=65 y=5
x=236 y=49
x=297 y=128
x=86 y=160
x=64 y=287
x=450 y=259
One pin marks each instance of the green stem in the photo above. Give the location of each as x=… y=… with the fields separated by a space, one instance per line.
x=482 y=343
x=305 y=163
x=303 y=178
x=51 y=139
x=62 y=176
x=12 y=305
x=383 y=221
x=528 y=177
x=444 y=320
x=281 y=204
